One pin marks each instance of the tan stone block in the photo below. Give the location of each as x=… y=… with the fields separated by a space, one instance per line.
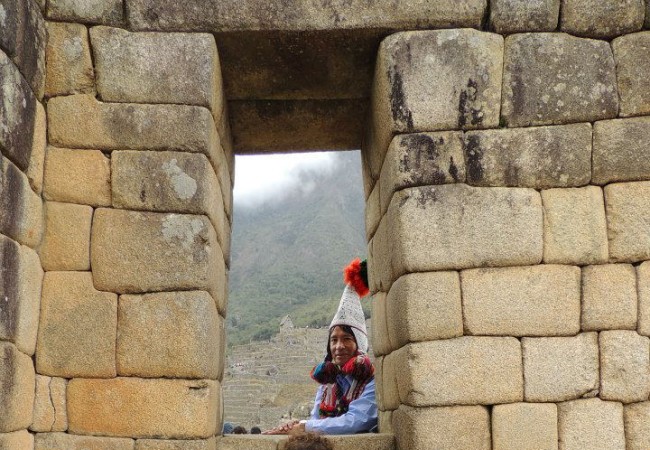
x=637 y=432
x=592 y=424
x=621 y=150
x=601 y=18
x=381 y=344
x=643 y=285
x=50 y=405
x=77 y=176
x=386 y=422
x=108 y=12
x=167 y=409
x=367 y=441
x=389 y=379
x=248 y=442
x=61 y=441
x=524 y=426
x=631 y=53
x=424 y=307
x=536 y=157
x=522 y=301
x=66 y=244
x=517 y=16
x=560 y=368
x=609 y=297
x=624 y=366
x=18 y=440
x=628 y=221
x=37 y=159
x=461 y=371
x=379 y=381
x=575 y=226
x=160 y=444
x=554 y=78
x=16 y=388
x=78 y=327
x=447 y=428
x=69 y=67
x=372 y=212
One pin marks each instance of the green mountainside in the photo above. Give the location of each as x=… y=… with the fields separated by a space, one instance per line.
x=287 y=256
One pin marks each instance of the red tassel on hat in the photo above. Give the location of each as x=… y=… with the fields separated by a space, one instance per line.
x=353 y=276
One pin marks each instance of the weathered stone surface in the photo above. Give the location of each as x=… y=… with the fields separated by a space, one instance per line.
x=537 y=157
x=609 y=297
x=522 y=301
x=39 y=143
x=108 y=12
x=160 y=444
x=643 y=284
x=381 y=344
x=372 y=212
x=143 y=67
x=240 y=442
x=575 y=226
x=16 y=388
x=18 y=440
x=625 y=366
x=464 y=92
x=390 y=372
x=447 y=428
x=78 y=327
x=77 y=176
x=637 y=432
x=21 y=279
x=647 y=15
x=379 y=381
x=601 y=18
x=632 y=68
x=371 y=441
x=170 y=334
x=66 y=243
x=461 y=371
x=134 y=252
x=554 y=78
x=628 y=221
x=49 y=405
x=59 y=441
x=385 y=422
x=424 y=307
x=421 y=159
x=517 y=16
x=80 y=121
x=592 y=424
x=69 y=64
x=621 y=150
x=525 y=426
x=177 y=409
x=560 y=368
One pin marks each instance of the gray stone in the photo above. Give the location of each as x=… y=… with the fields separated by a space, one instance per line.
x=647 y=15
x=554 y=78
x=391 y=371
x=517 y=16
x=525 y=426
x=37 y=160
x=632 y=55
x=643 y=284
x=108 y=12
x=372 y=212
x=18 y=440
x=637 y=432
x=628 y=221
x=17 y=383
x=624 y=366
x=609 y=297
x=58 y=441
x=591 y=424
x=537 y=157
x=601 y=18
x=69 y=64
x=381 y=345
x=621 y=150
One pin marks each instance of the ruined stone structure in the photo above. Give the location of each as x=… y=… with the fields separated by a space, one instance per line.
x=506 y=148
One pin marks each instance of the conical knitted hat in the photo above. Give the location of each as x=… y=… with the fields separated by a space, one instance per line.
x=350 y=312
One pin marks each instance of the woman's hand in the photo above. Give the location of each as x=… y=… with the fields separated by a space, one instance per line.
x=285 y=428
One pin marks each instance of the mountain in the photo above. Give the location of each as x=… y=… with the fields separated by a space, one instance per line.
x=287 y=256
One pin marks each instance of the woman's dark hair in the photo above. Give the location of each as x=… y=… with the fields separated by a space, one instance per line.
x=239 y=430
x=308 y=441
x=347 y=329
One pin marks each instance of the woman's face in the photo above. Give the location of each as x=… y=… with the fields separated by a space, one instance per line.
x=342 y=346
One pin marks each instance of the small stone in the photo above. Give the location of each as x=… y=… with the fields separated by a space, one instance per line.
x=601 y=18
x=160 y=444
x=108 y=12
x=591 y=424
x=49 y=405
x=632 y=55
x=69 y=64
x=372 y=212
x=59 y=441
x=621 y=150
x=66 y=244
x=390 y=373
x=517 y=16
x=17 y=383
x=637 y=432
x=628 y=221
x=18 y=440
x=386 y=422
x=525 y=426
x=381 y=344
x=37 y=159
x=643 y=284
x=625 y=366
x=609 y=297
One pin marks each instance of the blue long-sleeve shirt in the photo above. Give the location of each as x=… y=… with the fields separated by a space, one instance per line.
x=361 y=415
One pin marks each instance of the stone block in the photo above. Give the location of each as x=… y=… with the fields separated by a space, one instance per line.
x=637 y=432
x=379 y=381
x=419 y=160
x=446 y=428
x=621 y=150
x=461 y=371
x=381 y=344
x=77 y=176
x=525 y=426
x=647 y=15
x=522 y=301
x=80 y=121
x=108 y=12
x=159 y=408
x=536 y=157
x=18 y=440
x=59 y=441
x=632 y=56
x=386 y=422
x=643 y=286
x=554 y=78
x=143 y=67
x=434 y=80
x=518 y=16
x=601 y=18
x=248 y=442
x=165 y=182
x=628 y=221
x=16 y=388
x=136 y=252
x=151 y=345
x=160 y=444
x=575 y=226
x=37 y=159
x=372 y=212
x=69 y=63
x=78 y=327
x=560 y=368
x=389 y=378
x=609 y=297
x=591 y=423
x=66 y=243
x=424 y=307
x=624 y=366
x=21 y=278
x=368 y=441
x=50 y=405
